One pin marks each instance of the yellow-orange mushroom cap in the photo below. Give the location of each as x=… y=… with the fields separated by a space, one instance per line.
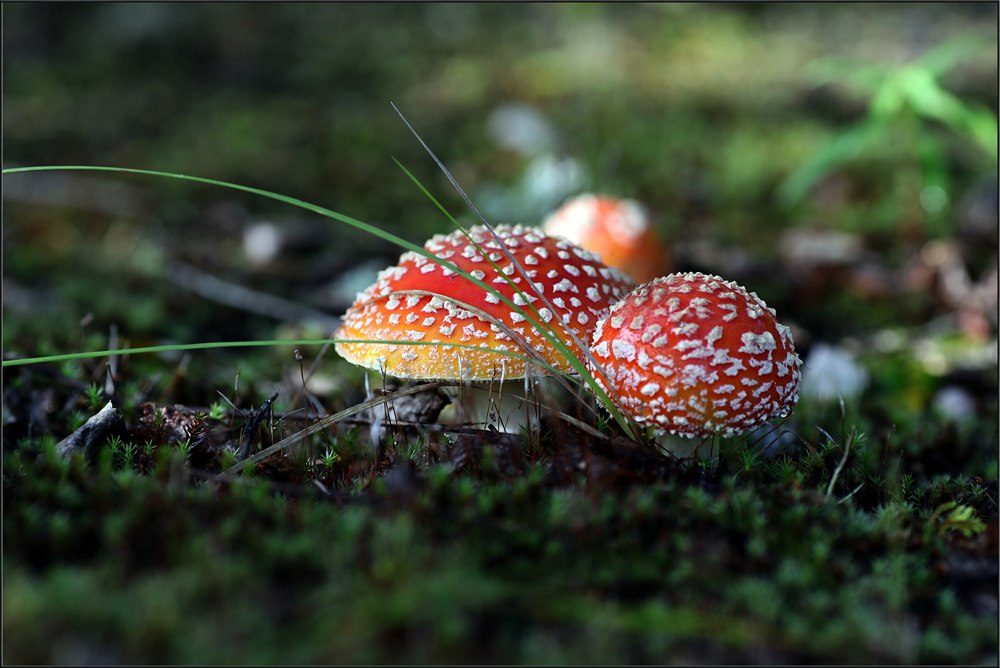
x=579 y=286
x=617 y=230
x=696 y=355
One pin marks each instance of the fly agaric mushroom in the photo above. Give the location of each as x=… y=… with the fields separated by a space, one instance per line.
x=421 y=300
x=696 y=355
x=616 y=229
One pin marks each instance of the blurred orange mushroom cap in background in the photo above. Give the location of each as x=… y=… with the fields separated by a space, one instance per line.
x=616 y=229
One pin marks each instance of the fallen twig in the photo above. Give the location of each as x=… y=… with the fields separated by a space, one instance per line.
x=322 y=424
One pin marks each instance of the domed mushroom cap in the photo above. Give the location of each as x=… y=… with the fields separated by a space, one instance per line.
x=579 y=286
x=696 y=355
x=617 y=230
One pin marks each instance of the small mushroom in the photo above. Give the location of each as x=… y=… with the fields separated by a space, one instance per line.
x=696 y=355
x=419 y=300
x=616 y=229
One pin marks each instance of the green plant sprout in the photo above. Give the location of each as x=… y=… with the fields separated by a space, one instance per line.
x=185 y=446
x=129 y=452
x=960 y=517
x=94 y=394
x=159 y=418
x=907 y=107
x=70 y=366
x=77 y=418
x=115 y=443
x=217 y=410
x=228 y=457
x=329 y=458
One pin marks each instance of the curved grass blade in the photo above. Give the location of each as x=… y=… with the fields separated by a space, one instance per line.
x=244 y=344
x=308 y=206
x=531 y=355
x=366 y=227
x=549 y=332
x=510 y=256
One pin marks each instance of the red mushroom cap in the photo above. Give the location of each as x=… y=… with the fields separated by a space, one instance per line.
x=696 y=355
x=579 y=286
x=616 y=229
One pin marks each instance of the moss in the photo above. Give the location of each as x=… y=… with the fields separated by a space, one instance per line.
x=475 y=563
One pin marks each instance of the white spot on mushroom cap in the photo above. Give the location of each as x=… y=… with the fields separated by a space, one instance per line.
x=623 y=349
x=649 y=389
x=565 y=285
x=754 y=343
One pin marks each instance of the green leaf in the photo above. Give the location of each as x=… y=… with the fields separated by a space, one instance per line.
x=944 y=57
x=844 y=148
x=846 y=71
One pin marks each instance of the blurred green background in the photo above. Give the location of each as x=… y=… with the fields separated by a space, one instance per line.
x=727 y=121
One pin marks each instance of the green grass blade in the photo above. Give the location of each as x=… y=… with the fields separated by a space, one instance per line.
x=248 y=344
x=548 y=331
x=308 y=206
x=578 y=366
